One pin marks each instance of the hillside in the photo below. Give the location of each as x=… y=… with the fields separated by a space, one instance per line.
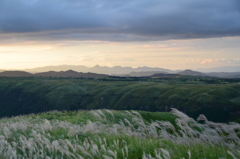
x=222 y=74
x=235 y=76
x=140 y=74
x=191 y=73
x=69 y=73
x=15 y=74
x=164 y=75
x=110 y=134
x=25 y=95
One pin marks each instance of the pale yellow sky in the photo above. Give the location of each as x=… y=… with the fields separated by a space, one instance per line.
x=172 y=54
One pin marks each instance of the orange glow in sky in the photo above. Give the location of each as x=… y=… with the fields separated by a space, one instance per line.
x=172 y=54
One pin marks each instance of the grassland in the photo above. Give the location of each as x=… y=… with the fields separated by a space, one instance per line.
x=218 y=99
x=108 y=134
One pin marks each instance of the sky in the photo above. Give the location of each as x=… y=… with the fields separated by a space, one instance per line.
x=173 y=34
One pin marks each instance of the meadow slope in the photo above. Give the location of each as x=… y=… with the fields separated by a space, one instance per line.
x=108 y=134
x=219 y=102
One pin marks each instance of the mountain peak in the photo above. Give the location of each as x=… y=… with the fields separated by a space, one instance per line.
x=96 y=66
x=190 y=70
x=71 y=71
x=191 y=73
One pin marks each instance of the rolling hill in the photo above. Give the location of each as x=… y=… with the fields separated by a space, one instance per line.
x=69 y=73
x=24 y=95
x=191 y=73
x=15 y=74
x=164 y=75
x=236 y=75
x=144 y=74
x=221 y=72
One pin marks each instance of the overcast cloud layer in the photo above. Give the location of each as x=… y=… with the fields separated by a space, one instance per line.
x=125 y=20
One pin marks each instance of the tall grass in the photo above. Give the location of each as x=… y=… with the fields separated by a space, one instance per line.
x=106 y=134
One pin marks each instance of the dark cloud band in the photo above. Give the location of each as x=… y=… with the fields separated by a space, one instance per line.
x=125 y=20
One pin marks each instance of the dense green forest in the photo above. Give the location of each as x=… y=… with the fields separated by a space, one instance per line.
x=218 y=99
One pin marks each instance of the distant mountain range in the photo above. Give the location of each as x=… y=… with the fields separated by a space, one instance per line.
x=125 y=70
x=186 y=72
x=69 y=73
x=98 y=69
x=162 y=74
x=83 y=71
x=220 y=69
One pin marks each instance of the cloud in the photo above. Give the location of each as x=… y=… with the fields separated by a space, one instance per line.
x=125 y=20
x=232 y=61
x=222 y=60
x=206 y=61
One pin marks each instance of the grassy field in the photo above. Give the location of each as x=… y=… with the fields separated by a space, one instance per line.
x=110 y=134
x=219 y=100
